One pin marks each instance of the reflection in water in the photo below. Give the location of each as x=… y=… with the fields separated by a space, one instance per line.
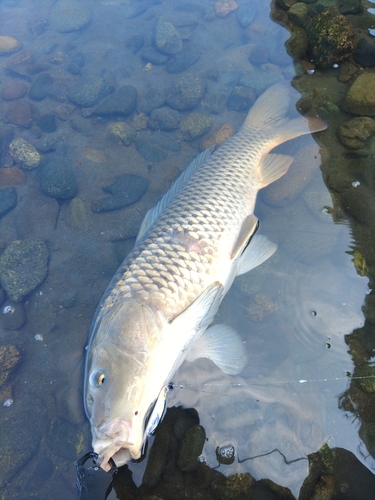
x=308 y=385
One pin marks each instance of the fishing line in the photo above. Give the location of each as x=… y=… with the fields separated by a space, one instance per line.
x=193 y=388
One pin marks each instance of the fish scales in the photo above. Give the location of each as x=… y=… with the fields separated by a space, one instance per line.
x=216 y=195
x=191 y=246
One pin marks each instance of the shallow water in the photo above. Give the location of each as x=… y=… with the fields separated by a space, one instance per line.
x=301 y=314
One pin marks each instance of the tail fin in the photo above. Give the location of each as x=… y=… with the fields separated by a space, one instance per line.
x=269 y=111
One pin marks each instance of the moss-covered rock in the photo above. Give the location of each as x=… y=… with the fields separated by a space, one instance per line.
x=331 y=38
x=360 y=98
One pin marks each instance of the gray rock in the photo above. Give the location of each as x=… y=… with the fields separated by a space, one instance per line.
x=151 y=55
x=125 y=190
x=23 y=266
x=165 y=140
x=8 y=200
x=195 y=125
x=183 y=60
x=24 y=154
x=163 y=119
x=41 y=87
x=148 y=152
x=121 y=103
x=12 y=315
x=364 y=53
x=167 y=38
x=90 y=91
x=186 y=92
x=47 y=123
x=154 y=98
x=20 y=435
x=68 y=16
x=82 y=125
x=246 y=15
x=58 y=180
x=240 y=99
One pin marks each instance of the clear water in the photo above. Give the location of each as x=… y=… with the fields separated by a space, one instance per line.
x=294 y=312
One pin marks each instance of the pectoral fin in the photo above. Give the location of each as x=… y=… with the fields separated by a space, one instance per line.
x=259 y=250
x=223 y=346
x=202 y=311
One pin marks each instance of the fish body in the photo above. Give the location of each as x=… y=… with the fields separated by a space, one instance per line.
x=190 y=247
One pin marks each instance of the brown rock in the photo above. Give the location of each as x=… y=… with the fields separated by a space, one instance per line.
x=354 y=133
x=19 y=113
x=9 y=358
x=360 y=98
x=12 y=177
x=13 y=91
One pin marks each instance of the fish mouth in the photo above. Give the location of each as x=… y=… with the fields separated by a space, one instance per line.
x=112 y=440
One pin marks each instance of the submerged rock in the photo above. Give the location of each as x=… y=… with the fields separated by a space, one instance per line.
x=163 y=119
x=58 y=179
x=354 y=133
x=240 y=99
x=365 y=53
x=12 y=315
x=67 y=16
x=125 y=190
x=15 y=91
x=40 y=88
x=23 y=266
x=121 y=103
x=190 y=448
x=360 y=98
x=90 y=91
x=186 y=92
x=121 y=132
x=183 y=60
x=331 y=38
x=19 y=113
x=24 y=154
x=149 y=153
x=8 y=200
x=8 y=45
x=167 y=38
x=10 y=356
x=195 y=125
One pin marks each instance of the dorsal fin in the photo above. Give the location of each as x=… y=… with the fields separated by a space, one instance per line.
x=171 y=194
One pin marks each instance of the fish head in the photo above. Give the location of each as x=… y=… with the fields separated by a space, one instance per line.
x=121 y=380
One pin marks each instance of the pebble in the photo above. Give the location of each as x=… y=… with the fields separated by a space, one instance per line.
x=241 y=98
x=50 y=142
x=8 y=200
x=10 y=356
x=360 y=98
x=19 y=113
x=183 y=60
x=223 y=134
x=121 y=103
x=69 y=16
x=41 y=87
x=23 y=266
x=12 y=315
x=154 y=98
x=76 y=64
x=12 y=176
x=165 y=140
x=195 y=125
x=58 y=179
x=364 y=53
x=24 y=154
x=125 y=190
x=58 y=92
x=76 y=217
x=16 y=90
x=354 y=133
x=21 y=59
x=157 y=458
x=299 y=14
x=82 y=125
x=139 y=121
x=163 y=119
x=90 y=91
x=121 y=132
x=47 y=123
x=186 y=92
x=149 y=153
x=167 y=38
x=8 y=45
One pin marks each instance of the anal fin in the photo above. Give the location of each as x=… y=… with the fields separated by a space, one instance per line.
x=259 y=250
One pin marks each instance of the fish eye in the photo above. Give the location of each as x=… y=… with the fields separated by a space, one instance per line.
x=97 y=378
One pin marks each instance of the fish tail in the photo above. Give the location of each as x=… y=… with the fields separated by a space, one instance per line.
x=270 y=111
